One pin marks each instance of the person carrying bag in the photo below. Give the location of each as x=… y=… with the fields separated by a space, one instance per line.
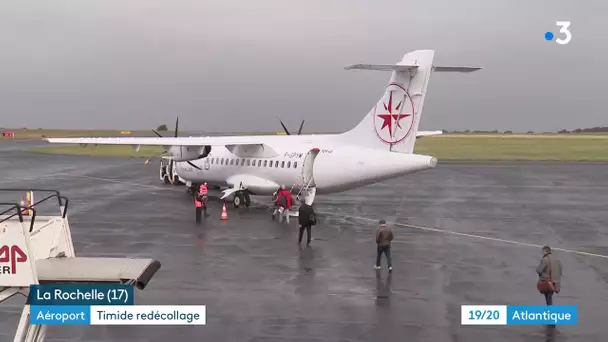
x=549 y=272
x=306 y=218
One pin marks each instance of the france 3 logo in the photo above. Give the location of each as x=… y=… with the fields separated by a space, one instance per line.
x=564 y=30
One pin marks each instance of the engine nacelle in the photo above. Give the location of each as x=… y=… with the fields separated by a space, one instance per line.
x=187 y=153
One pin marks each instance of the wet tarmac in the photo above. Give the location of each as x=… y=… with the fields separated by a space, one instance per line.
x=259 y=286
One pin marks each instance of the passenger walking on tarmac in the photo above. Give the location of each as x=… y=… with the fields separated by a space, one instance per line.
x=549 y=275
x=307 y=218
x=200 y=202
x=384 y=236
x=283 y=203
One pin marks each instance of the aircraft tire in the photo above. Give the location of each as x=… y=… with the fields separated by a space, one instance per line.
x=247 y=199
x=166 y=179
x=237 y=200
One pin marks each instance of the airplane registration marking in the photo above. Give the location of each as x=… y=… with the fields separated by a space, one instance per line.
x=292 y=155
x=300 y=155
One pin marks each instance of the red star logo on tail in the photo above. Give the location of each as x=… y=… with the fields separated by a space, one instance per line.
x=388 y=118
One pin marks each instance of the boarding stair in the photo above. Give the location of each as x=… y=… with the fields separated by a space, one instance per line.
x=36 y=249
x=305 y=189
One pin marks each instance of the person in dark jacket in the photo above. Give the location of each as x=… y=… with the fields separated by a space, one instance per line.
x=550 y=269
x=384 y=236
x=307 y=218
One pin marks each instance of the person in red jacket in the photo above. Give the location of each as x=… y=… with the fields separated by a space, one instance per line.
x=200 y=202
x=283 y=203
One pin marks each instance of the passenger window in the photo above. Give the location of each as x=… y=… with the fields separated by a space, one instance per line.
x=222 y=161
x=231 y=161
x=276 y=163
x=288 y=164
x=265 y=163
x=283 y=164
x=248 y=162
x=242 y=162
x=259 y=162
x=295 y=165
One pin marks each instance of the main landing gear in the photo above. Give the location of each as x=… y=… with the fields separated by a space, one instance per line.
x=241 y=197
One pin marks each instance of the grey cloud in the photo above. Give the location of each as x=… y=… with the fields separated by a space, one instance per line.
x=236 y=65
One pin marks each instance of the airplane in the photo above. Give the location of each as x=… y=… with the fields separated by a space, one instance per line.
x=378 y=148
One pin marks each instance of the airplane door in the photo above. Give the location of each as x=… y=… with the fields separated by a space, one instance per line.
x=307 y=167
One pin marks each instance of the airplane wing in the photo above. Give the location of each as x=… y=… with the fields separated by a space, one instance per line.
x=180 y=141
x=158 y=141
x=421 y=134
x=184 y=148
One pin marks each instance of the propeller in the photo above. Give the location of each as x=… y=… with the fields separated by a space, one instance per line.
x=287 y=131
x=166 y=151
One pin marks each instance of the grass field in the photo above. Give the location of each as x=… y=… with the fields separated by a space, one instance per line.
x=575 y=147
x=66 y=133
x=465 y=147
x=53 y=133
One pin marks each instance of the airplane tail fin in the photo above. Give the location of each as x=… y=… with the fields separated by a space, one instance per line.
x=393 y=122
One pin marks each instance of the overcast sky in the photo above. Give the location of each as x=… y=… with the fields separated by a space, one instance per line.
x=236 y=65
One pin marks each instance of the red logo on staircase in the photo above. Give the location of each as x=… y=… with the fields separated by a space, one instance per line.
x=14 y=255
x=394 y=122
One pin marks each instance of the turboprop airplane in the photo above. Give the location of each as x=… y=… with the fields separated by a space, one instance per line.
x=380 y=147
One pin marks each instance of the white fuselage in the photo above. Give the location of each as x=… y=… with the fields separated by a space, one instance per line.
x=337 y=167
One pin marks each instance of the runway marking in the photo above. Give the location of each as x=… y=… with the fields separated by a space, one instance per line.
x=494 y=186
x=437 y=230
x=517 y=163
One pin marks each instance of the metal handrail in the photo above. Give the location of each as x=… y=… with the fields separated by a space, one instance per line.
x=19 y=213
x=13 y=206
x=35 y=189
x=19 y=208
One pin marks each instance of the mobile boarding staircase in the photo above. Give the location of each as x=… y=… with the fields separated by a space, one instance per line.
x=306 y=190
x=39 y=250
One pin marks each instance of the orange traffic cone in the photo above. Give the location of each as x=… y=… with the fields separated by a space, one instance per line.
x=224 y=213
